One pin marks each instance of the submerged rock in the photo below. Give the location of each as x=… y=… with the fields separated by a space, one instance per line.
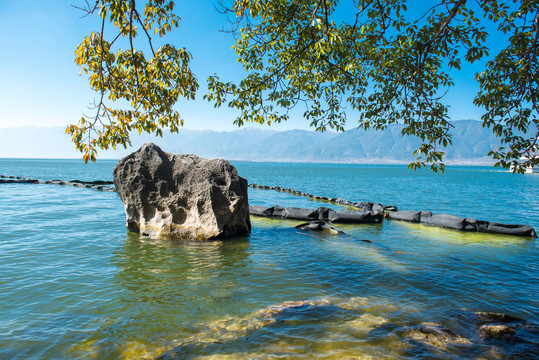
x=247 y=337
x=481 y=335
x=506 y=329
x=346 y=327
x=435 y=335
x=497 y=331
x=490 y=317
x=297 y=309
x=181 y=196
x=319 y=225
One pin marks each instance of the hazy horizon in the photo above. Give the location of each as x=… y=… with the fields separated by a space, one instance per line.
x=471 y=144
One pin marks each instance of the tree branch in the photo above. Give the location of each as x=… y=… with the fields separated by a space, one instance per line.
x=442 y=28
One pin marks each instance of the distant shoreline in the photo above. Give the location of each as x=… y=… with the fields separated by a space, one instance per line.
x=471 y=144
x=449 y=162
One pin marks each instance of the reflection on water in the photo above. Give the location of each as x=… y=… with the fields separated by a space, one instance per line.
x=163 y=287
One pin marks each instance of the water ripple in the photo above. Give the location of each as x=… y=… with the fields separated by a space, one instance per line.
x=76 y=284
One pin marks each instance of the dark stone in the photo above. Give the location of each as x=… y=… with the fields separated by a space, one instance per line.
x=434 y=335
x=181 y=196
x=490 y=317
x=497 y=331
x=319 y=225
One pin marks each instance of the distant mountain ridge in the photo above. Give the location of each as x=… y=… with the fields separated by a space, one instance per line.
x=471 y=144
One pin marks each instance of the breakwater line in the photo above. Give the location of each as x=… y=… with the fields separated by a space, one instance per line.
x=99 y=185
x=363 y=206
x=370 y=212
x=373 y=213
x=102 y=185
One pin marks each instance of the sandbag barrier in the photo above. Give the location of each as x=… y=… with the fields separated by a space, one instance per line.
x=322 y=213
x=371 y=213
x=99 y=185
x=462 y=224
x=363 y=206
x=368 y=209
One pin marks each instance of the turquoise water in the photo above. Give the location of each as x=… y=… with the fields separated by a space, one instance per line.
x=76 y=284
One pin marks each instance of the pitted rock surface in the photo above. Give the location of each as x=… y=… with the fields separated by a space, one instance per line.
x=181 y=196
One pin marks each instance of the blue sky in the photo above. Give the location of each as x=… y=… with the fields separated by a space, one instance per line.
x=41 y=86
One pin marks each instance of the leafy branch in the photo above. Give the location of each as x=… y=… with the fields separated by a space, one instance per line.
x=142 y=91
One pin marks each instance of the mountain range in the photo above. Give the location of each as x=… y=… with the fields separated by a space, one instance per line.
x=471 y=144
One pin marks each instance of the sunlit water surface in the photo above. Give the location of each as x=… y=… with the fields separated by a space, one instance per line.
x=75 y=284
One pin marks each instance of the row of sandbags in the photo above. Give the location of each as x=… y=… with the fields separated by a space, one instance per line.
x=376 y=217
x=99 y=185
x=372 y=213
x=322 y=213
x=368 y=208
x=364 y=206
x=459 y=223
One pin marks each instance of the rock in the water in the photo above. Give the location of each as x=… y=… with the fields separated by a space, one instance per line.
x=490 y=317
x=181 y=196
x=297 y=309
x=319 y=225
x=435 y=335
x=497 y=331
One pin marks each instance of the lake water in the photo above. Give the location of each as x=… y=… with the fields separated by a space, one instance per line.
x=75 y=284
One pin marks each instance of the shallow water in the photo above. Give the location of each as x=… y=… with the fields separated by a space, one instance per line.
x=76 y=284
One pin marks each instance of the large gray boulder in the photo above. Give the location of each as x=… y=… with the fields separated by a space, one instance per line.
x=181 y=196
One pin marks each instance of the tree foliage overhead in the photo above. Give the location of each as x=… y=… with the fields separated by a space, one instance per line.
x=379 y=62
x=149 y=87
x=387 y=64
